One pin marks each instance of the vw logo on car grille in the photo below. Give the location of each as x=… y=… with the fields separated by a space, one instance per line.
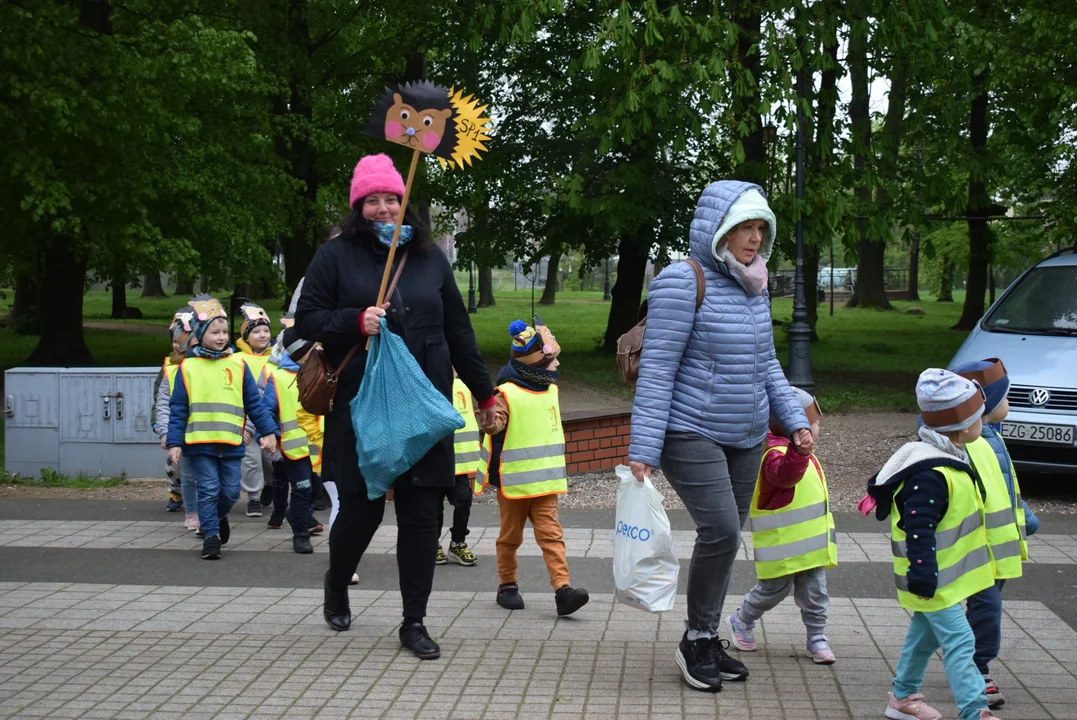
x=1039 y=397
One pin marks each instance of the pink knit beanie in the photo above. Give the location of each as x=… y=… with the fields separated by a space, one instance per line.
x=375 y=173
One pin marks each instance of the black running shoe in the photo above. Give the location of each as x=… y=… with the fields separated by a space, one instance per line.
x=508 y=597
x=732 y=669
x=696 y=659
x=211 y=548
x=276 y=521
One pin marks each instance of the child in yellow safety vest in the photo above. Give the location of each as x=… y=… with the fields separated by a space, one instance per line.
x=284 y=367
x=468 y=451
x=255 y=342
x=180 y=485
x=1008 y=518
x=935 y=501
x=523 y=455
x=213 y=395
x=793 y=538
x=282 y=397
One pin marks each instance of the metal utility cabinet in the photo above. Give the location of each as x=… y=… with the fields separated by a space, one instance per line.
x=96 y=421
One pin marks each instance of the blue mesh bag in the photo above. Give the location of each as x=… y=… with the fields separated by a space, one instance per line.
x=398 y=415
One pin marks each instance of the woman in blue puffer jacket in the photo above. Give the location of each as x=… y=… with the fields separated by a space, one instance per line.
x=708 y=382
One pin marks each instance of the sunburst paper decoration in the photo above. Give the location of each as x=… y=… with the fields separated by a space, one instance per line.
x=471 y=129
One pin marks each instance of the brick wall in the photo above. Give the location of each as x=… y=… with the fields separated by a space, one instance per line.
x=596 y=441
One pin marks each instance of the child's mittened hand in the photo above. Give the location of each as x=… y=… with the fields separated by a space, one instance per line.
x=174 y=455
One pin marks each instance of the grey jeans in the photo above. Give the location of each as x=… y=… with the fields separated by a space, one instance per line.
x=809 y=592
x=716 y=484
x=256 y=468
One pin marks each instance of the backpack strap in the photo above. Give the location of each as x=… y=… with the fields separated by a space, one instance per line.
x=701 y=282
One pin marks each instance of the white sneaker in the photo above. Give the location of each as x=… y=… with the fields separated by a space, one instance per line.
x=355 y=579
x=191 y=521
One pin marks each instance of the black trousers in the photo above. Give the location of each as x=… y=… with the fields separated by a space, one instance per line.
x=358 y=519
x=294 y=475
x=459 y=496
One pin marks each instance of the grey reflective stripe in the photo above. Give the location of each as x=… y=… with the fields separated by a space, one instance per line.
x=975 y=559
x=289 y=425
x=294 y=443
x=792 y=517
x=216 y=407
x=999 y=519
x=209 y=426
x=795 y=549
x=466 y=436
x=533 y=453
x=1005 y=550
x=946 y=538
x=314 y=449
x=533 y=476
x=467 y=457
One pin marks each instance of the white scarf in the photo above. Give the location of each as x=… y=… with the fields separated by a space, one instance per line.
x=943 y=443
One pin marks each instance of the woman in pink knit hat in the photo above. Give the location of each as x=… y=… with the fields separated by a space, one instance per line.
x=338 y=309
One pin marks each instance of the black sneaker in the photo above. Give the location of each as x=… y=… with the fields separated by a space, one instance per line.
x=226 y=530
x=570 y=600
x=696 y=659
x=266 y=500
x=508 y=597
x=731 y=668
x=415 y=638
x=313 y=526
x=211 y=548
x=254 y=507
x=276 y=521
x=301 y=544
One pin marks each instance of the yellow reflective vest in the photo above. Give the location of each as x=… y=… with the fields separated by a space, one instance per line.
x=256 y=362
x=1004 y=523
x=466 y=440
x=533 y=456
x=961 y=553
x=314 y=427
x=215 y=394
x=293 y=441
x=170 y=372
x=799 y=536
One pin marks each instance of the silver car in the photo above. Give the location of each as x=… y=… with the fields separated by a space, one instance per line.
x=1032 y=328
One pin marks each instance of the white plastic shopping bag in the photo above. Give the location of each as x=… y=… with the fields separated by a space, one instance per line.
x=645 y=566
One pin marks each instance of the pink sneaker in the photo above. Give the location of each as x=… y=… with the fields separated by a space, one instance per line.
x=821 y=654
x=742 y=632
x=191 y=521
x=988 y=715
x=911 y=708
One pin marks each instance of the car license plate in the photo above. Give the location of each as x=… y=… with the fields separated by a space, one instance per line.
x=1038 y=433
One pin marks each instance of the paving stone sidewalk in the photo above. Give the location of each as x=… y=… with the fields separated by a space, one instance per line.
x=253 y=536
x=137 y=651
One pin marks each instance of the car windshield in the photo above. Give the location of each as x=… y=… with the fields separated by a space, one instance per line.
x=1044 y=303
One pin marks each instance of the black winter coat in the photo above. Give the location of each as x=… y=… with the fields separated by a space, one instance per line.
x=426 y=311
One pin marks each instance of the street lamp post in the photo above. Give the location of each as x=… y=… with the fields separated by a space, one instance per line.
x=471 y=307
x=606 y=287
x=799 y=373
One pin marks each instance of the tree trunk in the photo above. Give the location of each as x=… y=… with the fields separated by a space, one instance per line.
x=549 y=293
x=486 y=286
x=748 y=17
x=627 y=291
x=119 y=297
x=980 y=235
x=912 y=292
x=811 y=285
x=946 y=281
x=822 y=151
x=151 y=286
x=62 y=342
x=25 y=311
x=870 y=289
x=184 y=285
x=991 y=284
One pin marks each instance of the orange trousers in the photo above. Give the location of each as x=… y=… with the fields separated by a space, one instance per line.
x=542 y=512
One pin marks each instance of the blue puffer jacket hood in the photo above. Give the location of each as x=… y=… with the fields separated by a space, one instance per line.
x=711 y=372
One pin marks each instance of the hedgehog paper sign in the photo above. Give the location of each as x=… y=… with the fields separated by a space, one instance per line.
x=428 y=119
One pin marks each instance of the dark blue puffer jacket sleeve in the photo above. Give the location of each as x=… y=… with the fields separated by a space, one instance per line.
x=671 y=311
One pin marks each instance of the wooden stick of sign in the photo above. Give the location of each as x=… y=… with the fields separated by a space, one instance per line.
x=396 y=234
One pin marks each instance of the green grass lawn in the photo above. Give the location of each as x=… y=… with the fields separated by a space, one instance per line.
x=863 y=359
